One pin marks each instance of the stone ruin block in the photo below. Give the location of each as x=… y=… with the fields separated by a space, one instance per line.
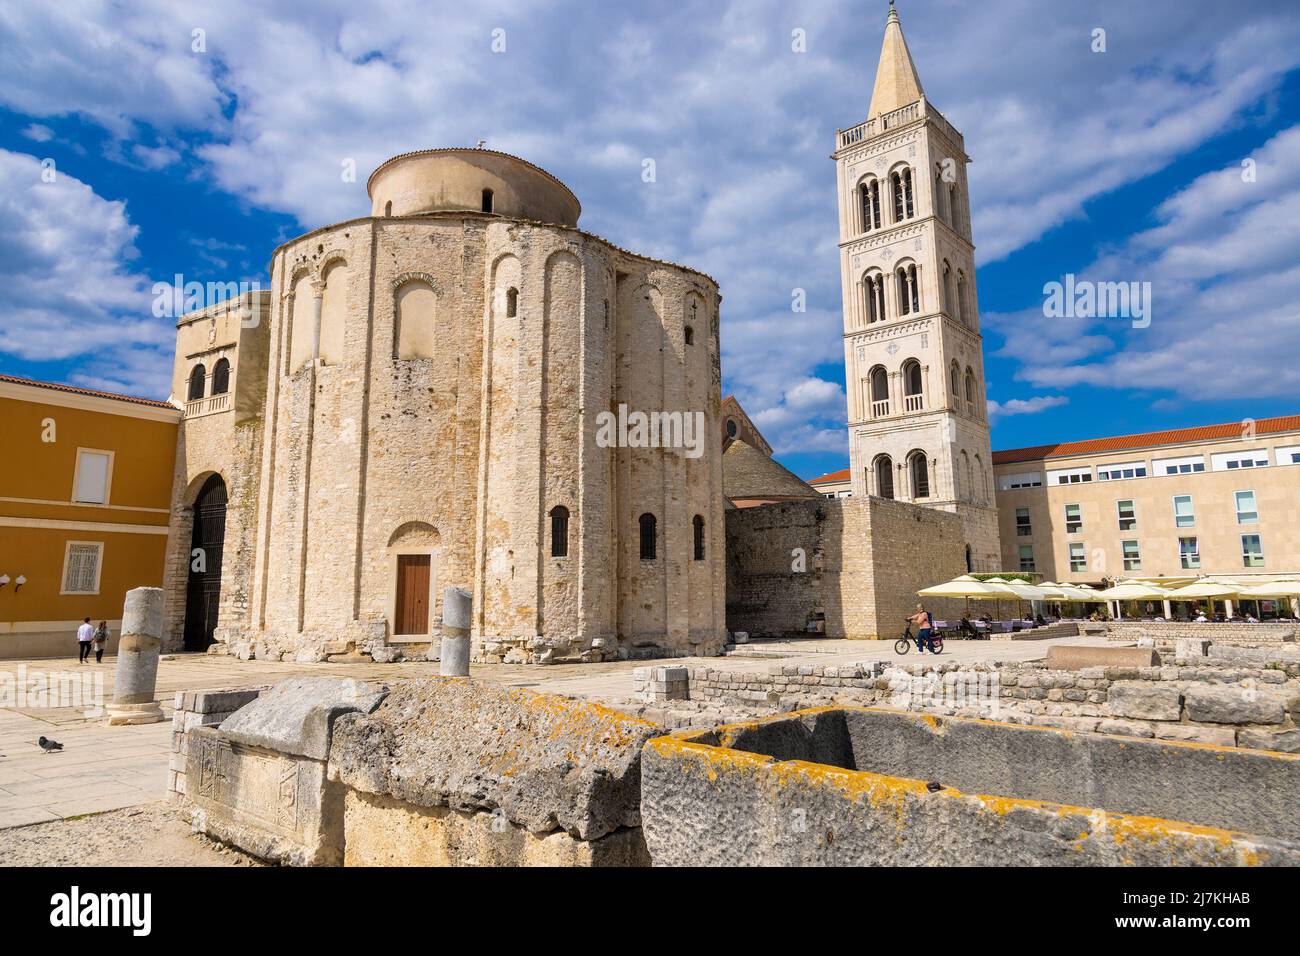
x=1073 y=657
x=259 y=780
x=452 y=771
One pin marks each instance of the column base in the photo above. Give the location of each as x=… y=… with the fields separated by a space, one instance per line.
x=146 y=713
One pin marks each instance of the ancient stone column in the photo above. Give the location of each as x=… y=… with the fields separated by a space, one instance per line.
x=455 y=632
x=137 y=659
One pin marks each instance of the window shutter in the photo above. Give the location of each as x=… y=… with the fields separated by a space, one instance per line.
x=92 y=478
x=83 y=565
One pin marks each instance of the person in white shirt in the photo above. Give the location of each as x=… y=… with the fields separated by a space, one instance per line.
x=85 y=634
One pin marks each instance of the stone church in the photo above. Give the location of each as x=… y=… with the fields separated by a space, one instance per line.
x=415 y=402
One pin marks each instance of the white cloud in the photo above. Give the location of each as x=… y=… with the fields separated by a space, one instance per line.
x=1025 y=406
x=39 y=133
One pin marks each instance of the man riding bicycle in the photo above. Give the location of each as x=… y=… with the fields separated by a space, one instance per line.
x=924 y=623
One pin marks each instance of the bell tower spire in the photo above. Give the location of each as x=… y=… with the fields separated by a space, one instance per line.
x=897 y=83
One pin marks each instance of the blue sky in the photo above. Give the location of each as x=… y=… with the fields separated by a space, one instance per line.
x=1123 y=165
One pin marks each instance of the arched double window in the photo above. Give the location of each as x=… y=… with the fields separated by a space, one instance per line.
x=913 y=386
x=900 y=185
x=884 y=466
x=909 y=289
x=647 y=523
x=697 y=524
x=878 y=381
x=919 y=468
x=559 y=531
x=198 y=382
x=873 y=291
x=869 y=196
x=221 y=377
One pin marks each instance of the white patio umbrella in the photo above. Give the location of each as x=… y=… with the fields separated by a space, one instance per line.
x=1205 y=590
x=1273 y=589
x=1132 y=591
x=961 y=587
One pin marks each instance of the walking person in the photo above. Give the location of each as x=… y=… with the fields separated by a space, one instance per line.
x=924 y=635
x=101 y=641
x=85 y=635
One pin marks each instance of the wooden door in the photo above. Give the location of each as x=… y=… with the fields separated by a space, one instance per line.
x=412 y=612
x=203 y=586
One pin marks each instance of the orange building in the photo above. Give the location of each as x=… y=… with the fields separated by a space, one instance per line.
x=85 y=494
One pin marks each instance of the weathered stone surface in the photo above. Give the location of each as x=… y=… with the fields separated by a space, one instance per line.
x=1145 y=701
x=715 y=806
x=297 y=715
x=1189 y=733
x=544 y=761
x=1286 y=741
x=1214 y=704
x=276 y=806
x=1185 y=647
x=1067 y=657
x=381 y=831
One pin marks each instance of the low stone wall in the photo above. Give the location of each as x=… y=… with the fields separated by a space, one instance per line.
x=1166 y=632
x=194 y=709
x=806 y=789
x=1253 y=703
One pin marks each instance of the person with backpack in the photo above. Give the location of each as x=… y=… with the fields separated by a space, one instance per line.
x=101 y=641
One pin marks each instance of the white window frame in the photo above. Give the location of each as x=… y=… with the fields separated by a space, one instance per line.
x=1191 y=502
x=1068 y=506
x=108 y=478
x=1119 y=514
x=1236 y=505
x=1104 y=471
x=1083 y=556
x=99 y=565
x=1022 y=559
x=1028 y=479
x=1283 y=455
x=1185 y=556
x=1064 y=476
x=1181 y=466
x=1025 y=530
x=1231 y=460
x=1245 y=555
x=1137 y=554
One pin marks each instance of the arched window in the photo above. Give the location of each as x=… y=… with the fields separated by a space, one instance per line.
x=221 y=377
x=690 y=335
x=900 y=182
x=940 y=195
x=909 y=290
x=647 y=523
x=873 y=290
x=970 y=390
x=955 y=375
x=912 y=386
x=559 y=531
x=388 y=208
x=512 y=302
x=198 y=381
x=919 y=466
x=979 y=488
x=333 y=313
x=879 y=380
x=969 y=566
x=698 y=524
x=869 y=193
x=963 y=307
x=415 y=307
x=953 y=206
x=949 y=295
x=885 y=476
x=965 y=467
x=487 y=200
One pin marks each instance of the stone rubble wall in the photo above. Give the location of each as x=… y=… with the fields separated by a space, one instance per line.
x=1249 y=702
x=199 y=708
x=1166 y=632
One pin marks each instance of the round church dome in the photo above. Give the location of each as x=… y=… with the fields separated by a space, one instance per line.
x=470 y=180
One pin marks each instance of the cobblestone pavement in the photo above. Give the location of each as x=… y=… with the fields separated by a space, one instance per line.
x=107 y=768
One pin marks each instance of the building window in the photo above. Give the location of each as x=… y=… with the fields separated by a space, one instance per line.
x=1127 y=514
x=512 y=302
x=647 y=523
x=885 y=476
x=955 y=375
x=919 y=465
x=1252 y=551
x=487 y=200
x=1132 y=556
x=690 y=335
x=559 y=531
x=913 y=400
x=901 y=185
x=1023 y=528
x=93 y=477
x=873 y=287
x=731 y=428
x=1119 y=472
x=1247 y=512
x=1184 y=516
x=1073 y=519
x=81 y=563
x=870 y=205
x=198 y=381
x=1026 y=557
x=879 y=380
x=698 y=525
x=1073 y=477
x=1250 y=459
x=221 y=377
x=909 y=290
x=1189 y=553
x=1078 y=556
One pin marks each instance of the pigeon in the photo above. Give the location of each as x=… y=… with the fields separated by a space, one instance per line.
x=49 y=746
x=934 y=786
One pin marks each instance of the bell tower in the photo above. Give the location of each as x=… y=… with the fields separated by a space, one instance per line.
x=913 y=354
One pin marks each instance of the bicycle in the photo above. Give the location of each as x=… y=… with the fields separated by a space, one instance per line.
x=904 y=643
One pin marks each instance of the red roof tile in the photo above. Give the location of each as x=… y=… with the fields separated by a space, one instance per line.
x=841 y=475
x=55 y=386
x=1175 y=436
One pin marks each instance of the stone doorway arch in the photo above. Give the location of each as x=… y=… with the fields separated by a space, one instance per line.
x=203 y=583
